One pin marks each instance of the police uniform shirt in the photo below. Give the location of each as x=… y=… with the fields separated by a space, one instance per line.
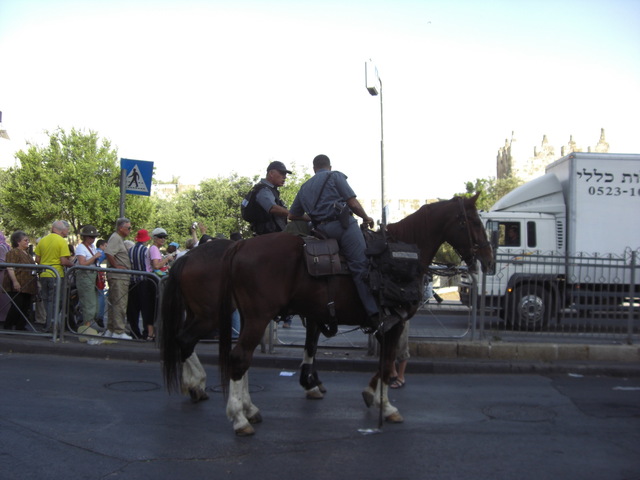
x=335 y=190
x=266 y=199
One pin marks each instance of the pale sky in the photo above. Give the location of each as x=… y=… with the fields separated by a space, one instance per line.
x=207 y=88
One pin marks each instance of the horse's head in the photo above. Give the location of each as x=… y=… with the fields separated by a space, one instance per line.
x=467 y=235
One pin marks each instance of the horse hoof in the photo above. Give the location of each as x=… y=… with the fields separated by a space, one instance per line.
x=315 y=394
x=368 y=398
x=322 y=389
x=395 y=418
x=245 y=431
x=257 y=418
x=197 y=395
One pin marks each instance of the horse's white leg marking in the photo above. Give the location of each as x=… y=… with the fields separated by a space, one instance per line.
x=314 y=393
x=389 y=412
x=371 y=397
x=235 y=411
x=194 y=378
x=306 y=359
x=250 y=410
x=368 y=395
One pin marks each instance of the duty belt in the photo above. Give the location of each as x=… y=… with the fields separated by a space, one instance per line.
x=326 y=220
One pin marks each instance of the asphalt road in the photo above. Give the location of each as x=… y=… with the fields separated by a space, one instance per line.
x=86 y=418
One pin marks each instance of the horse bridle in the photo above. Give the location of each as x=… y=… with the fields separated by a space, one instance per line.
x=464 y=222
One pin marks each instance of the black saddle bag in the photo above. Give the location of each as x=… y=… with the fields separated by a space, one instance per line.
x=396 y=274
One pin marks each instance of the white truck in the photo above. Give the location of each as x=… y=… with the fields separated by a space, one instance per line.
x=567 y=241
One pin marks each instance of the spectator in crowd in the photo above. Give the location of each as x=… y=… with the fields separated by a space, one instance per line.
x=190 y=243
x=53 y=250
x=141 y=289
x=4 y=299
x=157 y=263
x=118 y=258
x=101 y=281
x=20 y=283
x=41 y=311
x=399 y=367
x=87 y=256
x=171 y=249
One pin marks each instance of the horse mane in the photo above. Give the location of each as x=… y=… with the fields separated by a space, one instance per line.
x=424 y=228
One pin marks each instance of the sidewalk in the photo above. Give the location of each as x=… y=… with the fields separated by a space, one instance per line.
x=350 y=353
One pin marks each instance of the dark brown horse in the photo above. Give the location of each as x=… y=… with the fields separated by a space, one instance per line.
x=189 y=313
x=266 y=276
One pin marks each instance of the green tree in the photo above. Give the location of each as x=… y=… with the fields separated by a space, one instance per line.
x=491 y=190
x=75 y=177
x=215 y=204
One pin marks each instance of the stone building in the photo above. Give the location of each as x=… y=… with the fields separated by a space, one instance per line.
x=515 y=159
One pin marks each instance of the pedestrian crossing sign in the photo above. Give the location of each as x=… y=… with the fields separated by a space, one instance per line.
x=139 y=175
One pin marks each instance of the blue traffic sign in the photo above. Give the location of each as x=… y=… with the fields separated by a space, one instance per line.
x=139 y=175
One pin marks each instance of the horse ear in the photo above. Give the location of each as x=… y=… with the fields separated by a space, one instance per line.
x=475 y=197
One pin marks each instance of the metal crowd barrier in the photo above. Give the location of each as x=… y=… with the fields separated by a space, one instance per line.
x=585 y=297
x=73 y=310
x=588 y=316
x=32 y=327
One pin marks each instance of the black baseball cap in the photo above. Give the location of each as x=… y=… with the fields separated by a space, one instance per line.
x=278 y=166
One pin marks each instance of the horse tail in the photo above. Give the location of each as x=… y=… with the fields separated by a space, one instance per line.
x=172 y=312
x=227 y=307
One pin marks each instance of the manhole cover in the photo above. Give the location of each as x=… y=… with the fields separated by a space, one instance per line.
x=252 y=388
x=132 y=386
x=519 y=413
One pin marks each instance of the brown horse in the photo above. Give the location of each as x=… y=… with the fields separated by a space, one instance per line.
x=267 y=276
x=189 y=313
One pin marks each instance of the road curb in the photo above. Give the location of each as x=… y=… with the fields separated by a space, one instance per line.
x=543 y=352
x=426 y=357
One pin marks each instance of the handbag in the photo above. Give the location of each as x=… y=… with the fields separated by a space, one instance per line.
x=100 y=281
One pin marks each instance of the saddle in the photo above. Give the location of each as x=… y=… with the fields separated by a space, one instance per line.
x=395 y=273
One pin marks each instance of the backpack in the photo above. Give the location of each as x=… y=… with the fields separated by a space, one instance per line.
x=249 y=208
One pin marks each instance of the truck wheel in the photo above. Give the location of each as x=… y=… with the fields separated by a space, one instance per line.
x=530 y=307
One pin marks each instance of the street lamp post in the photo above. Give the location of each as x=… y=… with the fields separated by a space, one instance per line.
x=374 y=87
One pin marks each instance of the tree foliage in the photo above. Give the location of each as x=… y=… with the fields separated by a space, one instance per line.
x=491 y=190
x=216 y=205
x=75 y=178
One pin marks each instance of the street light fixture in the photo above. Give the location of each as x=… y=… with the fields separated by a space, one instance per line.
x=3 y=132
x=373 y=82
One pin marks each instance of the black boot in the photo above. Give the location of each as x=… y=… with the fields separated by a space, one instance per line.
x=382 y=323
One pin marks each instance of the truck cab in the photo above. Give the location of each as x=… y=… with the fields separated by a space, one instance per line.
x=567 y=239
x=527 y=222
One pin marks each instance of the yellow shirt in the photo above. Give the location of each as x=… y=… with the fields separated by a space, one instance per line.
x=50 y=249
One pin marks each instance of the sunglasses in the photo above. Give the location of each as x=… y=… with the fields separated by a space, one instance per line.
x=161 y=236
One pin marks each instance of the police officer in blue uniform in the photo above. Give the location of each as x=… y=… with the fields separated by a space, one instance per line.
x=323 y=197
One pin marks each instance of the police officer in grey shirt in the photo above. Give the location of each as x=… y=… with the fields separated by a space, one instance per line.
x=269 y=199
x=322 y=197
